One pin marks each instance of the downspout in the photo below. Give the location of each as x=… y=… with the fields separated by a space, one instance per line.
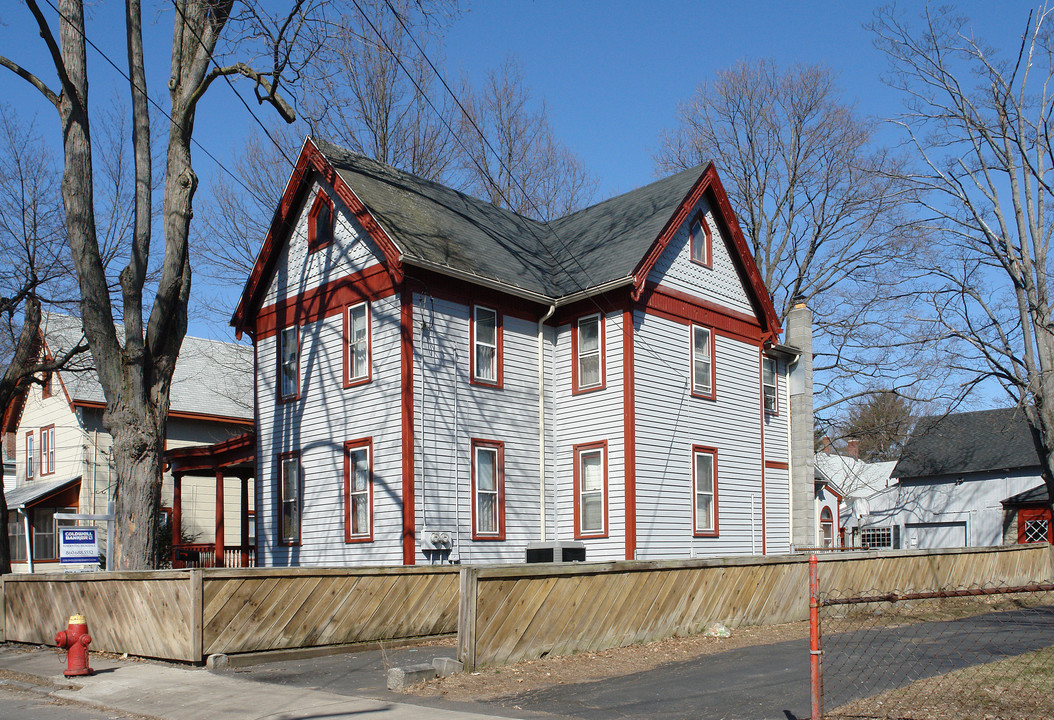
x=541 y=421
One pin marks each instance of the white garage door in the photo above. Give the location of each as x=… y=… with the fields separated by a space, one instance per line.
x=934 y=535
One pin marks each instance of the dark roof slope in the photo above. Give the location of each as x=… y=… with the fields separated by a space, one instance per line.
x=433 y=223
x=1035 y=495
x=982 y=441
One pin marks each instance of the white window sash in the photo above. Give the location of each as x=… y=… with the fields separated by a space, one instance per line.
x=290 y=500
x=289 y=370
x=587 y=354
x=704 y=522
x=487 y=510
x=359 y=491
x=702 y=363
x=485 y=362
x=591 y=497
x=358 y=347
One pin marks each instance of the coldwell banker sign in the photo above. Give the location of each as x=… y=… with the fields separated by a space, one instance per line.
x=78 y=546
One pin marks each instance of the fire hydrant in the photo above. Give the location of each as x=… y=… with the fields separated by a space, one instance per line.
x=75 y=639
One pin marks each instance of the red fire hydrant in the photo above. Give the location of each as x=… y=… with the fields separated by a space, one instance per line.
x=75 y=639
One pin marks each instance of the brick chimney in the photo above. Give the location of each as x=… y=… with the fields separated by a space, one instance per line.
x=852 y=448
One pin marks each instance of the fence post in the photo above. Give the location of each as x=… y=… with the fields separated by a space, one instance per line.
x=814 y=643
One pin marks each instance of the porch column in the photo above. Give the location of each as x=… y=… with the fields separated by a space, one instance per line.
x=177 y=513
x=245 y=521
x=219 y=518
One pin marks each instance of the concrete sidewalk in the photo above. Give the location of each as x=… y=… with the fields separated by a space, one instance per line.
x=172 y=692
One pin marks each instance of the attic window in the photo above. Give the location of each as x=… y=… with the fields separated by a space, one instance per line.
x=701 y=241
x=320 y=223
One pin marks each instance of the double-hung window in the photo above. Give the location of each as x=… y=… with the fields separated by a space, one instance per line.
x=47 y=450
x=358 y=490
x=704 y=491
x=588 y=351
x=769 y=385
x=357 y=332
x=289 y=497
x=289 y=363
x=486 y=346
x=590 y=480
x=488 y=490
x=702 y=362
x=16 y=537
x=701 y=241
x=31 y=460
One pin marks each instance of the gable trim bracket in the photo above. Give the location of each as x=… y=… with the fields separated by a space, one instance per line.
x=710 y=184
x=311 y=160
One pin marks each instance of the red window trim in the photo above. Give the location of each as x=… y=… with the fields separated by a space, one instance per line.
x=280 y=535
x=1024 y=514
x=499 y=482
x=712 y=395
x=30 y=461
x=368 y=377
x=576 y=389
x=579 y=449
x=51 y=450
x=776 y=381
x=712 y=451
x=350 y=445
x=708 y=243
x=499 y=381
x=282 y=397
x=313 y=242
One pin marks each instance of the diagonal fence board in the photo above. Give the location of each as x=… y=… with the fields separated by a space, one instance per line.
x=517 y=613
x=252 y=610
x=146 y=614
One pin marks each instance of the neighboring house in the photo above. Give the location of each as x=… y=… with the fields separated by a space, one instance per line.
x=63 y=459
x=439 y=379
x=844 y=485
x=953 y=478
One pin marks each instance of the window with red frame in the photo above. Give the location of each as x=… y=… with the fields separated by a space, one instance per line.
x=769 y=385
x=47 y=450
x=289 y=497
x=704 y=490
x=358 y=490
x=31 y=463
x=486 y=346
x=289 y=363
x=588 y=351
x=358 y=343
x=590 y=478
x=320 y=223
x=702 y=362
x=488 y=490
x=701 y=241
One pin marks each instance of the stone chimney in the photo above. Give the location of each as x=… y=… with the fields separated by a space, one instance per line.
x=803 y=461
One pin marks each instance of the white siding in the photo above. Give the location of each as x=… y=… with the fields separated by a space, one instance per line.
x=777 y=481
x=450 y=412
x=317 y=425
x=718 y=284
x=70 y=439
x=669 y=422
x=297 y=270
x=586 y=418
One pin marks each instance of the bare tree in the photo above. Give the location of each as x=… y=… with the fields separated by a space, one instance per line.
x=36 y=270
x=136 y=374
x=509 y=154
x=879 y=423
x=980 y=126
x=818 y=201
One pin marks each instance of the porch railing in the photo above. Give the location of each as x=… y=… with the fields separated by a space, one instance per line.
x=203 y=555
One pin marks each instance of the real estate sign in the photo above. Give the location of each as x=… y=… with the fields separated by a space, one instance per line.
x=79 y=546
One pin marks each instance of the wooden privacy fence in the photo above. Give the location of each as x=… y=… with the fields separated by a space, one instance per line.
x=188 y=615
x=513 y=613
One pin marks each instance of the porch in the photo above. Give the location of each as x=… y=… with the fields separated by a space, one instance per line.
x=233 y=458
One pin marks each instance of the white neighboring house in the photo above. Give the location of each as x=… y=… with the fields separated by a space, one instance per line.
x=951 y=483
x=440 y=379
x=844 y=484
x=62 y=452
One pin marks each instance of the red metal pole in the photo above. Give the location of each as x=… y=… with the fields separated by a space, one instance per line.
x=814 y=642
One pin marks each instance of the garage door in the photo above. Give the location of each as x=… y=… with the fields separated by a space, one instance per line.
x=934 y=535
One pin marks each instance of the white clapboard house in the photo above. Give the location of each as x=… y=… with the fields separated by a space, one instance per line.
x=439 y=379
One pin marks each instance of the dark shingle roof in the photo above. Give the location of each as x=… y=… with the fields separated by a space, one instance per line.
x=1035 y=495
x=987 y=440
x=436 y=224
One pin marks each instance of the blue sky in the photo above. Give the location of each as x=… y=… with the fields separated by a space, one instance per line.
x=611 y=72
